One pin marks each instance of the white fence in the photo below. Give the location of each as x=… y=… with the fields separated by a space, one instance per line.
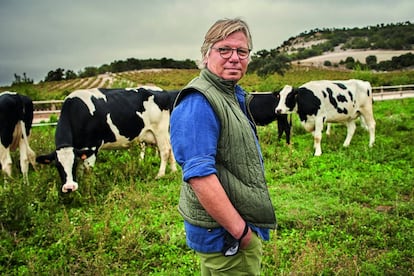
x=382 y=93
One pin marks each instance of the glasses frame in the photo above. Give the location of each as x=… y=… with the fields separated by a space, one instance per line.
x=230 y=54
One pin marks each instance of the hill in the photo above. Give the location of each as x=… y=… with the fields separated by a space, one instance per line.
x=333 y=46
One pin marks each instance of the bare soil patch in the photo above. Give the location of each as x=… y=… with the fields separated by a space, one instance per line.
x=337 y=56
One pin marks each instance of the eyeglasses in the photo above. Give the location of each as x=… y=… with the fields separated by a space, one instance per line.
x=227 y=52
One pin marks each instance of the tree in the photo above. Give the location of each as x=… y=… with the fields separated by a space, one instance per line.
x=19 y=80
x=69 y=75
x=268 y=62
x=89 y=72
x=371 y=61
x=56 y=75
x=327 y=63
x=349 y=62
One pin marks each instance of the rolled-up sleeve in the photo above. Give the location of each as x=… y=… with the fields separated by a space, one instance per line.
x=194 y=129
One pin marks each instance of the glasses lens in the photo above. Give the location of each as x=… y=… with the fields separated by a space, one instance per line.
x=242 y=53
x=227 y=52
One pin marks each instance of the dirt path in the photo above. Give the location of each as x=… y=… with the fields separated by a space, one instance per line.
x=336 y=57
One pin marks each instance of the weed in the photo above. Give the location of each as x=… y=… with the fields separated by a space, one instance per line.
x=347 y=212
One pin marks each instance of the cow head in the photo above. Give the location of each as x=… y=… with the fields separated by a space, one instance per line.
x=66 y=161
x=287 y=100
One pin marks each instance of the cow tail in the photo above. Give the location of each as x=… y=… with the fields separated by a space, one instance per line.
x=17 y=133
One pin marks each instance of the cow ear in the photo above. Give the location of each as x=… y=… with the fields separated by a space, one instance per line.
x=46 y=159
x=84 y=153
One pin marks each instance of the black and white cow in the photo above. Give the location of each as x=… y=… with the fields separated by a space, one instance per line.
x=16 y=116
x=262 y=108
x=319 y=102
x=94 y=119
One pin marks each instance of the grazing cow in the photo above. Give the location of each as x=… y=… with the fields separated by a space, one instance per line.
x=262 y=109
x=319 y=102
x=16 y=115
x=94 y=119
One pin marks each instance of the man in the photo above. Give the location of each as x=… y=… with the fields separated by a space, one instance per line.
x=224 y=198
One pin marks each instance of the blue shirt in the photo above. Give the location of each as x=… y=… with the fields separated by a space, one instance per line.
x=195 y=131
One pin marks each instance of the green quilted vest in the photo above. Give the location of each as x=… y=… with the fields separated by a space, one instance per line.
x=238 y=160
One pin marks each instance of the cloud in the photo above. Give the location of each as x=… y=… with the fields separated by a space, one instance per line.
x=40 y=36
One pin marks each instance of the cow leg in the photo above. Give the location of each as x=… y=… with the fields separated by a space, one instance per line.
x=371 y=129
x=162 y=141
x=142 y=152
x=27 y=155
x=24 y=161
x=6 y=161
x=283 y=126
x=32 y=157
x=369 y=124
x=279 y=130
x=172 y=160
x=288 y=128
x=328 y=129
x=164 y=155
x=350 y=132
x=164 y=147
x=288 y=131
x=317 y=137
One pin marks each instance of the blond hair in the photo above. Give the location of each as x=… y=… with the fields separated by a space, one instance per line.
x=220 y=30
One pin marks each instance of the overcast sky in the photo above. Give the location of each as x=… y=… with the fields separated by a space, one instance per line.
x=43 y=35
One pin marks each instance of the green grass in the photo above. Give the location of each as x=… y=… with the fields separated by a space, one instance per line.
x=178 y=78
x=347 y=212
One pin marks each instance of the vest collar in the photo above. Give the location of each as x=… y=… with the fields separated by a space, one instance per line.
x=227 y=86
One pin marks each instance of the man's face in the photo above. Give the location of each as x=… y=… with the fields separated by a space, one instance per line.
x=231 y=68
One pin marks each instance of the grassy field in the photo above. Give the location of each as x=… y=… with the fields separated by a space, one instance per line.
x=347 y=212
x=169 y=79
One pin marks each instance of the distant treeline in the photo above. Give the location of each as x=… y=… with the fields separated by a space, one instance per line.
x=120 y=66
x=396 y=63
